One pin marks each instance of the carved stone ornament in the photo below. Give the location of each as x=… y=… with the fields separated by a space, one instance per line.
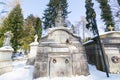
x=54 y=61
x=115 y=59
x=66 y=61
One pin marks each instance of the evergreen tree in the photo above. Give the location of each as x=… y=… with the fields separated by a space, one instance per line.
x=51 y=12
x=38 y=27
x=28 y=36
x=1 y=37
x=36 y=23
x=3 y=30
x=15 y=24
x=30 y=20
x=106 y=14
x=89 y=15
x=118 y=2
x=32 y=26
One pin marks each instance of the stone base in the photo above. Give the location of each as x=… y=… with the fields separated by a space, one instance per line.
x=5 y=59
x=5 y=63
x=5 y=69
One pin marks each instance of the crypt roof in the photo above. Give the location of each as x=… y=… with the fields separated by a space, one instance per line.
x=110 y=34
x=68 y=30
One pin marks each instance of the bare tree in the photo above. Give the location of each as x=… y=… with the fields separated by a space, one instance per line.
x=84 y=22
x=81 y=30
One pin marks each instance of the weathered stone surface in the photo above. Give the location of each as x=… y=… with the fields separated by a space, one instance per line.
x=43 y=57
x=59 y=54
x=40 y=69
x=111 y=46
x=80 y=68
x=5 y=59
x=81 y=57
x=30 y=61
x=61 y=66
x=60 y=50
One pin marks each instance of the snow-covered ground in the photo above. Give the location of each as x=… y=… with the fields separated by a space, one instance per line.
x=23 y=72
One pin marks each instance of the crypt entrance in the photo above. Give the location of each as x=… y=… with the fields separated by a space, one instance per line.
x=60 y=66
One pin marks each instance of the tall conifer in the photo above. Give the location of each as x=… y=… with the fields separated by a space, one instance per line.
x=15 y=25
x=38 y=27
x=89 y=15
x=51 y=12
x=106 y=14
x=118 y=2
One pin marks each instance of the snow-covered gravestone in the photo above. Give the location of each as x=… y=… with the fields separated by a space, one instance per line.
x=6 y=54
x=33 y=51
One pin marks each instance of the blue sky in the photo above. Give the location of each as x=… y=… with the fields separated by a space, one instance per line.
x=36 y=7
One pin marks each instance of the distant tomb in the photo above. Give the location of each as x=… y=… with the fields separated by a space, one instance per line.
x=60 y=54
x=111 y=46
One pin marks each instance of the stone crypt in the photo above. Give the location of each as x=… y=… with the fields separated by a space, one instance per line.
x=60 y=53
x=111 y=46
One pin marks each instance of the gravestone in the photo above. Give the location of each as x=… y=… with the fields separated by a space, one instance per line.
x=60 y=53
x=6 y=54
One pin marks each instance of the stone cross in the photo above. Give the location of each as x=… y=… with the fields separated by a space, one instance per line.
x=110 y=28
x=59 y=21
x=8 y=36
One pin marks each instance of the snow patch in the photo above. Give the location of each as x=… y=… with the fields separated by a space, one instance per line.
x=22 y=71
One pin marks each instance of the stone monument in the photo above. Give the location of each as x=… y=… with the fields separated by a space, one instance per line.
x=33 y=51
x=6 y=54
x=111 y=46
x=60 y=53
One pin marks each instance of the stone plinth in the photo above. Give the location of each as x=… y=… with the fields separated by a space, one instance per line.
x=5 y=59
x=33 y=49
x=32 y=54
